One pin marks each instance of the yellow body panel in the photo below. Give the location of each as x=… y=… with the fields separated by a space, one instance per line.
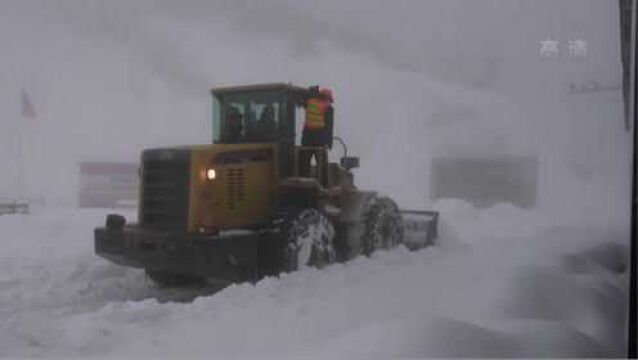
x=243 y=193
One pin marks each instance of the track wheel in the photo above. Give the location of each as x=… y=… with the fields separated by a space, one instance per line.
x=175 y=280
x=307 y=239
x=383 y=227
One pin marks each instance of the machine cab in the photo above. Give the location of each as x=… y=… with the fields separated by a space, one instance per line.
x=259 y=114
x=255 y=114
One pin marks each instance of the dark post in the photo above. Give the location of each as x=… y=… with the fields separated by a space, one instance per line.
x=632 y=351
x=626 y=11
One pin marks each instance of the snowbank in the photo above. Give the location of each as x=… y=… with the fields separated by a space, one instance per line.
x=501 y=282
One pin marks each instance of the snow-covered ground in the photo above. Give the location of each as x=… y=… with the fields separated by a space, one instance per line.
x=500 y=282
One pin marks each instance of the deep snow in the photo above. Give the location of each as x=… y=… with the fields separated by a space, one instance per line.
x=481 y=291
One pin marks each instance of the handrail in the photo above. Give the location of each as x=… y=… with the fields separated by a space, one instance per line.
x=343 y=143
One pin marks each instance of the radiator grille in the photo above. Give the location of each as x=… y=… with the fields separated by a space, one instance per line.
x=165 y=188
x=236 y=187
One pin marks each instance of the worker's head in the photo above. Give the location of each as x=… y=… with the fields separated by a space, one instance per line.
x=326 y=94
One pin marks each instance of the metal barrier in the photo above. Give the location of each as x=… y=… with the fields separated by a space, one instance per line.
x=14 y=208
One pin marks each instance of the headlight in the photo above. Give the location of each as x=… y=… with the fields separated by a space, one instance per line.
x=210 y=174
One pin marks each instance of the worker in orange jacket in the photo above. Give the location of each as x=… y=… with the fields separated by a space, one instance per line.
x=317 y=131
x=318 y=126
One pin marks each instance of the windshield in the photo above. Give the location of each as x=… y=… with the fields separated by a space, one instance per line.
x=247 y=117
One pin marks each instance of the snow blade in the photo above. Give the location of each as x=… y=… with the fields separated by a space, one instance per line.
x=419 y=228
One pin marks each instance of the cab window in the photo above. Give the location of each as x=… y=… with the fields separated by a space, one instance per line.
x=247 y=117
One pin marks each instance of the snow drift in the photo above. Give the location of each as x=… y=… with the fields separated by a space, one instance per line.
x=500 y=282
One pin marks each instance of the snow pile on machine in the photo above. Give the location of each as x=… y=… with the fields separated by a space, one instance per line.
x=481 y=291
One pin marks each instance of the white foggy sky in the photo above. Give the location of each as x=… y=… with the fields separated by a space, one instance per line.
x=411 y=78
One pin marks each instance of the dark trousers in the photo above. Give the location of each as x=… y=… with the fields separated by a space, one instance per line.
x=320 y=169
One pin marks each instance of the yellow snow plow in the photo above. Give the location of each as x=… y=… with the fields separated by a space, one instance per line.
x=254 y=203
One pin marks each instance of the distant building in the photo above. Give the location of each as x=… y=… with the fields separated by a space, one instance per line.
x=108 y=184
x=486 y=181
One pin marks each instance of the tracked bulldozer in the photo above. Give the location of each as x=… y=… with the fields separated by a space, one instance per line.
x=250 y=205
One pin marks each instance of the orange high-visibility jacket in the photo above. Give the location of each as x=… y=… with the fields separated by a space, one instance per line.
x=316 y=114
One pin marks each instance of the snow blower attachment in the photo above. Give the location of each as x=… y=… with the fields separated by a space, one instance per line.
x=254 y=203
x=420 y=228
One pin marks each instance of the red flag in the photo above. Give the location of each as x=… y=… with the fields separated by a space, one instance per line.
x=28 y=110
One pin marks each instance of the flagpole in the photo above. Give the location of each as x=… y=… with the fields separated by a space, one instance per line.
x=20 y=161
x=24 y=145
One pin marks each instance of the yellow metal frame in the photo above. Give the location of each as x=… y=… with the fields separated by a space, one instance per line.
x=241 y=195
